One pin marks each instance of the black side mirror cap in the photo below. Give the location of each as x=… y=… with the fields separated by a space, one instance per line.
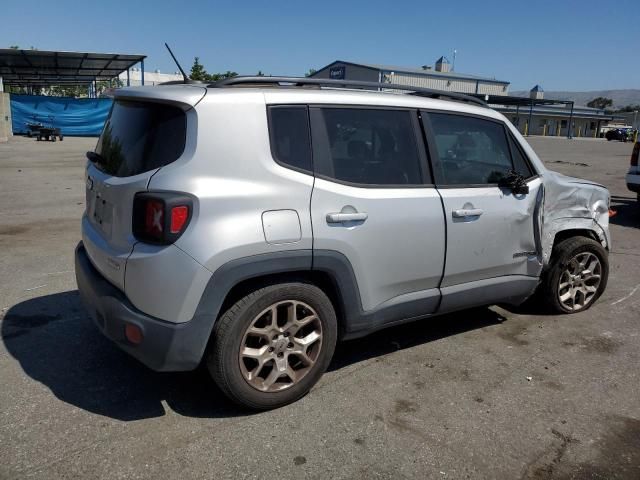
x=520 y=189
x=514 y=182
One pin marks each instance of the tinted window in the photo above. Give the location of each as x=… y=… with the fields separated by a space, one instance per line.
x=140 y=136
x=290 y=142
x=366 y=146
x=472 y=151
x=520 y=164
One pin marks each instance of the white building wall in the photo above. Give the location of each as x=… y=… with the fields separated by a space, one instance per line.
x=150 y=78
x=492 y=89
x=447 y=84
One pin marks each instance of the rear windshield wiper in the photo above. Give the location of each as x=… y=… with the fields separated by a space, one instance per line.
x=95 y=157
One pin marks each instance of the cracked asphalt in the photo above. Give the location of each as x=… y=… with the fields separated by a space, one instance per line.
x=486 y=393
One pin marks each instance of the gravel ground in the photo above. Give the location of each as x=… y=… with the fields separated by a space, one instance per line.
x=444 y=398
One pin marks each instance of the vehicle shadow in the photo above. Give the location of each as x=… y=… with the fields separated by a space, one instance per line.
x=627 y=211
x=58 y=345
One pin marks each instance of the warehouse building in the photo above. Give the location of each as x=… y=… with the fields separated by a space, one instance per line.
x=438 y=77
x=533 y=115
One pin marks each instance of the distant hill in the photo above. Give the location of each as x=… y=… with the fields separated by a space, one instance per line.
x=621 y=98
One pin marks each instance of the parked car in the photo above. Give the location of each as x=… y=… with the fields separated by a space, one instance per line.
x=633 y=175
x=622 y=134
x=252 y=228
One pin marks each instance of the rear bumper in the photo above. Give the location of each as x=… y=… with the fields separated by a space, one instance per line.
x=633 y=182
x=165 y=346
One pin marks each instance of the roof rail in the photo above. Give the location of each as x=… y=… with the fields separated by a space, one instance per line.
x=302 y=81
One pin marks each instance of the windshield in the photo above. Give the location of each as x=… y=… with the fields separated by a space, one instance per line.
x=140 y=136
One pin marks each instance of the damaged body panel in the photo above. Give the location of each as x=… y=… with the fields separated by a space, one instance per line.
x=566 y=204
x=573 y=204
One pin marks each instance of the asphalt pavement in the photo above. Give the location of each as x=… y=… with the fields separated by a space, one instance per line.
x=485 y=393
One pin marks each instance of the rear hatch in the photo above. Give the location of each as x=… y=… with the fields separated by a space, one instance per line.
x=140 y=136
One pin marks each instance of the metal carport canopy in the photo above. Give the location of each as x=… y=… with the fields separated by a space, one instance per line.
x=507 y=100
x=43 y=68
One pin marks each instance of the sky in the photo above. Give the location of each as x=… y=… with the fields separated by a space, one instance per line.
x=561 y=45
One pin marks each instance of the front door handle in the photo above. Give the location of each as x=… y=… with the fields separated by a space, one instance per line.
x=467 y=212
x=346 y=217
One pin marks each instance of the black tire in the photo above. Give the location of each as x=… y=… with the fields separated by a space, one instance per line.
x=561 y=255
x=223 y=356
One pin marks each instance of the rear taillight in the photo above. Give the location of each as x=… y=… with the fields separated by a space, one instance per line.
x=179 y=217
x=635 y=154
x=161 y=217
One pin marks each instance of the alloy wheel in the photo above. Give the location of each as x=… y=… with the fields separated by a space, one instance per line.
x=280 y=346
x=579 y=281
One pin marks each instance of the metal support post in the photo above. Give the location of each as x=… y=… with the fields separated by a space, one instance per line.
x=570 y=122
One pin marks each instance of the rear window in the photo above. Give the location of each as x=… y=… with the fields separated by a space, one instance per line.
x=140 y=136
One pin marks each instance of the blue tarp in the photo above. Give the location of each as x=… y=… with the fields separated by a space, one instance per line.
x=73 y=116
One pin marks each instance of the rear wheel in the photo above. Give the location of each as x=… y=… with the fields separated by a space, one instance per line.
x=273 y=345
x=577 y=275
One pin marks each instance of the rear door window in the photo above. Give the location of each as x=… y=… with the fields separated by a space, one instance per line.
x=369 y=147
x=139 y=137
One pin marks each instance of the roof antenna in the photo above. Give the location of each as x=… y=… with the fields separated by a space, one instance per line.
x=184 y=75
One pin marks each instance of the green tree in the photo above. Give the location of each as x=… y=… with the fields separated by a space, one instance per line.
x=600 y=102
x=14 y=47
x=629 y=108
x=259 y=74
x=310 y=72
x=197 y=71
x=220 y=76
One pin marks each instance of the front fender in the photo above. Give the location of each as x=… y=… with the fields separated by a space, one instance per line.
x=561 y=225
x=573 y=204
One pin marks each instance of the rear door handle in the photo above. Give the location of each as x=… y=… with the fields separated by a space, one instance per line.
x=346 y=217
x=467 y=212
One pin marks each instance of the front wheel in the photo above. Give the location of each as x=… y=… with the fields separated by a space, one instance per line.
x=273 y=345
x=577 y=275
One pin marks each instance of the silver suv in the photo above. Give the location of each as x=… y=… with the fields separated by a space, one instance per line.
x=252 y=223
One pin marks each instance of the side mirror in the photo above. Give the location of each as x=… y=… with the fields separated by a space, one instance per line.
x=514 y=182
x=520 y=189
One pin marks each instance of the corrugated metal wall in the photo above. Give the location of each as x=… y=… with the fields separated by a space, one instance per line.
x=451 y=84
x=447 y=84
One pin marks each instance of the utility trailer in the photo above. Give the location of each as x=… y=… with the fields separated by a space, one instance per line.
x=49 y=132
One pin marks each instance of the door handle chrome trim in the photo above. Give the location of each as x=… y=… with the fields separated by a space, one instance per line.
x=467 y=212
x=346 y=217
